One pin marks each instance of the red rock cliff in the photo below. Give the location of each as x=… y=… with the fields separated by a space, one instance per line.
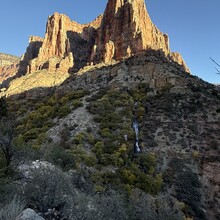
x=127 y=29
x=124 y=30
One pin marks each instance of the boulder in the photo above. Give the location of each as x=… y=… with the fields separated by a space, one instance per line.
x=29 y=214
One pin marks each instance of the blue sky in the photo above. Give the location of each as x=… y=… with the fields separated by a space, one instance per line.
x=192 y=25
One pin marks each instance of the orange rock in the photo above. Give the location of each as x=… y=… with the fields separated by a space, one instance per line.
x=124 y=30
x=8 y=72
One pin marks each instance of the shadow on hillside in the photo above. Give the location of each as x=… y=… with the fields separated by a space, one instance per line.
x=95 y=75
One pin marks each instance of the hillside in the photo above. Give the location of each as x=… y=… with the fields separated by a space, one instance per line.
x=85 y=125
x=112 y=133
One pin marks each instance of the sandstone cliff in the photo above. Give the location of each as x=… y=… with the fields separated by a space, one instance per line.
x=8 y=71
x=8 y=66
x=127 y=29
x=66 y=44
x=124 y=30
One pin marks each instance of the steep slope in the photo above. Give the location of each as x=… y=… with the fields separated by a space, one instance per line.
x=89 y=119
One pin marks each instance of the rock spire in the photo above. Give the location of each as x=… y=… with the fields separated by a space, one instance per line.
x=125 y=29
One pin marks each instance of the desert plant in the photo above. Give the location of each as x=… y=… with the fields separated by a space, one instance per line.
x=11 y=210
x=48 y=188
x=6 y=139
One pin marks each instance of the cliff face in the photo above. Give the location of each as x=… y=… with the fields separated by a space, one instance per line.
x=8 y=66
x=124 y=30
x=66 y=44
x=8 y=71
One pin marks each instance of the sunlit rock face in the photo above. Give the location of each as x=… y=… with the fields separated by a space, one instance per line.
x=125 y=29
x=66 y=44
x=8 y=66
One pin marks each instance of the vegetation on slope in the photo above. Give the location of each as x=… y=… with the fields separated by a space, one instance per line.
x=91 y=172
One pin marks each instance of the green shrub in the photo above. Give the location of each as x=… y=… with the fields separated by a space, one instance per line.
x=61 y=157
x=76 y=104
x=90 y=160
x=11 y=210
x=79 y=138
x=106 y=133
x=31 y=134
x=48 y=188
x=63 y=111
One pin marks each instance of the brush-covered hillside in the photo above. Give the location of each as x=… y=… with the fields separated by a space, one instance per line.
x=135 y=140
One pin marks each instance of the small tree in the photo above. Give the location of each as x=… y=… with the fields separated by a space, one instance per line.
x=3 y=107
x=6 y=137
x=48 y=188
x=218 y=71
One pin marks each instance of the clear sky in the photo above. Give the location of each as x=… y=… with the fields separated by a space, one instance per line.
x=192 y=25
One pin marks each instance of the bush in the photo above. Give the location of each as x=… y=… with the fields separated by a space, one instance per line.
x=61 y=158
x=11 y=210
x=76 y=104
x=48 y=188
x=3 y=107
x=146 y=207
x=63 y=111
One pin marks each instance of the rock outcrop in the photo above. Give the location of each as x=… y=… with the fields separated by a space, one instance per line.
x=29 y=214
x=124 y=30
x=32 y=52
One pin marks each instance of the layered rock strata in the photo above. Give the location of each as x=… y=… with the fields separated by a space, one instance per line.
x=7 y=72
x=124 y=30
x=8 y=67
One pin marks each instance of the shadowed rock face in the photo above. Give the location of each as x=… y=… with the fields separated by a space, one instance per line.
x=124 y=30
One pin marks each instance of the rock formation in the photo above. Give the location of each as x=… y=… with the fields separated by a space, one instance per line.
x=8 y=72
x=66 y=44
x=8 y=66
x=124 y=30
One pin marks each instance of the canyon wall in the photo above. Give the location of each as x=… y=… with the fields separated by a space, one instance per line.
x=124 y=30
